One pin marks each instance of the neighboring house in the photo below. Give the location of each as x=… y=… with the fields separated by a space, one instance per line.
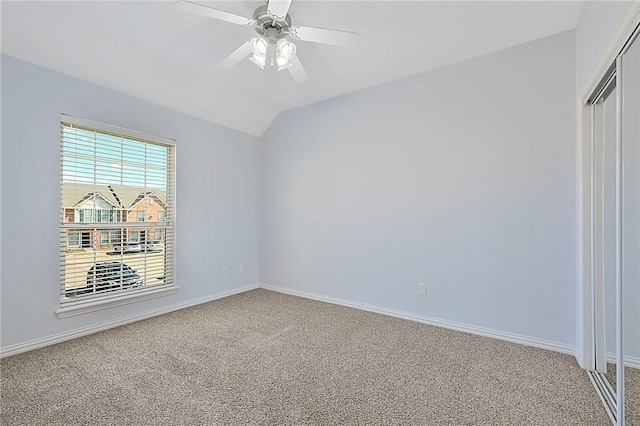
x=85 y=203
x=147 y=207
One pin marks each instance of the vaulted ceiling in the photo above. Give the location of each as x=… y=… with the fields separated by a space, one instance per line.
x=157 y=52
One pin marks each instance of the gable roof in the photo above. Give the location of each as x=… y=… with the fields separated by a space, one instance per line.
x=147 y=194
x=117 y=195
x=91 y=195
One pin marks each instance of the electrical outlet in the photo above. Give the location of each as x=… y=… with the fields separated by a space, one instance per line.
x=422 y=289
x=224 y=270
x=241 y=268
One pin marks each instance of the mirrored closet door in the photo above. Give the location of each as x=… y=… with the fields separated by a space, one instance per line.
x=629 y=70
x=615 y=235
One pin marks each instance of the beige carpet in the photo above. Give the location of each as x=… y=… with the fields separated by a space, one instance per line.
x=266 y=358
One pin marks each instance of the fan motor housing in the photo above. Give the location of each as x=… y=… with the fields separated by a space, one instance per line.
x=270 y=28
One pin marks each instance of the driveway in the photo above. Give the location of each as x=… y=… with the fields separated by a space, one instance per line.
x=149 y=265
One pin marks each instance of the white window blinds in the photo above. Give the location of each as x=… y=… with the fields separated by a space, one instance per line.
x=117 y=212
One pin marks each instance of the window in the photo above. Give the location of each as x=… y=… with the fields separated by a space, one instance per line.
x=157 y=235
x=105 y=215
x=93 y=215
x=161 y=216
x=105 y=171
x=85 y=215
x=73 y=239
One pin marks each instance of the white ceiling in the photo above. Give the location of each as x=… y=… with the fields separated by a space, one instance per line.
x=157 y=52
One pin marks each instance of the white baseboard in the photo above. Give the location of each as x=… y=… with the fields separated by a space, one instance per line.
x=481 y=331
x=629 y=361
x=83 y=331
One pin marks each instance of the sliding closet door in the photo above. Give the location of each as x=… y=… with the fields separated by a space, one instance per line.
x=629 y=70
x=612 y=232
x=604 y=236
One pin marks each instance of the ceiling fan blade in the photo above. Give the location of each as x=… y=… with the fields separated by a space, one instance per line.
x=239 y=54
x=323 y=35
x=297 y=71
x=213 y=13
x=278 y=9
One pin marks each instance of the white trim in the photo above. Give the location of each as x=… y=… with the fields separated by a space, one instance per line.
x=480 y=331
x=620 y=416
x=97 y=305
x=584 y=343
x=83 y=331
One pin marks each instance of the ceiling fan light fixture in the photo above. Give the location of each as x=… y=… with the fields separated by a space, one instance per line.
x=286 y=49
x=272 y=23
x=258 y=46
x=283 y=63
x=258 y=60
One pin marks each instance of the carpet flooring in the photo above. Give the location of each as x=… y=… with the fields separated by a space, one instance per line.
x=267 y=358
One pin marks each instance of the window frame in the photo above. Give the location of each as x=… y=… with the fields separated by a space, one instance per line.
x=83 y=213
x=66 y=307
x=106 y=214
x=77 y=234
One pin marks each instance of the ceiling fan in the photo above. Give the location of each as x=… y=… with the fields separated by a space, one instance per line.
x=273 y=24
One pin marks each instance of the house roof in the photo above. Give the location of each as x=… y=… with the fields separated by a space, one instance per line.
x=91 y=195
x=127 y=196
x=147 y=194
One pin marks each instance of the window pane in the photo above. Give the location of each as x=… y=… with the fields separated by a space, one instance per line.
x=73 y=239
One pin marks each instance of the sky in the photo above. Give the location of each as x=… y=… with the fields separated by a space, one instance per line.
x=103 y=159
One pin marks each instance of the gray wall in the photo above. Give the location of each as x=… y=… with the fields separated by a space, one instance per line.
x=462 y=177
x=217 y=198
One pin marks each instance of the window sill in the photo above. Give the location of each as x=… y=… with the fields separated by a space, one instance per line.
x=96 y=305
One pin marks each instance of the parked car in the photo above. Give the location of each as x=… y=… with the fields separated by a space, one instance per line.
x=155 y=245
x=128 y=248
x=108 y=276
